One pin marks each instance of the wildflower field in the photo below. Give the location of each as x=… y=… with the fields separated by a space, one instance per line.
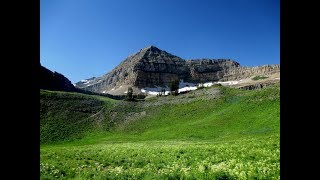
x=252 y=158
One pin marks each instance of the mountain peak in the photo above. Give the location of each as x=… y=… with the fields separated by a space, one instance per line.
x=151 y=48
x=153 y=67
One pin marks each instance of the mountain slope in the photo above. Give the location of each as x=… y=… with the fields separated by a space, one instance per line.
x=130 y=71
x=67 y=116
x=210 y=113
x=232 y=113
x=54 y=81
x=151 y=67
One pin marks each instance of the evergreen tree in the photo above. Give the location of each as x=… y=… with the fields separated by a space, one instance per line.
x=129 y=94
x=174 y=86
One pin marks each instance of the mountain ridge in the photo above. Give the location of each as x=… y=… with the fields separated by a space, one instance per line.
x=52 y=80
x=153 y=67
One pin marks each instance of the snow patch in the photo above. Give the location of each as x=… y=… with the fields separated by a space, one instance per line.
x=85 y=81
x=155 y=91
x=228 y=82
x=184 y=86
x=207 y=84
x=184 y=89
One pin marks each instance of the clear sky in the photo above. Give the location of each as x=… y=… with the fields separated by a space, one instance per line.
x=86 y=38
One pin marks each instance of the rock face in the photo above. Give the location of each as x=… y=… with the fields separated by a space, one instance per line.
x=204 y=70
x=54 y=81
x=152 y=67
x=256 y=86
x=245 y=72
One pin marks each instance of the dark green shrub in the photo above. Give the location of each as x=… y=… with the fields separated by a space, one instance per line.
x=259 y=77
x=174 y=86
x=140 y=96
x=129 y=96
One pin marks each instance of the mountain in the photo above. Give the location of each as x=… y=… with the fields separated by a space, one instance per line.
x=152 y=67
x=54 y=81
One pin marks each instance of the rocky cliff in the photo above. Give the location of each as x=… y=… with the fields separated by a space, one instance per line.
x=152 y=67
x=245 y=72
x=204 y=70
x=54 y=81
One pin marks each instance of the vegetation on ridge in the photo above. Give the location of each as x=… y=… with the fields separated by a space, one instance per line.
x=70 y=116
x=259 y=77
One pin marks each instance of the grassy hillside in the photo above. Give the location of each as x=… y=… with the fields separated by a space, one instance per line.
x=212 y=133
x=233 y=113
x=214 y=113
x=69 y=116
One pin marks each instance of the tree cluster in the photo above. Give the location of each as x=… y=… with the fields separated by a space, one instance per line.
x=174 y=86
x=129 y=95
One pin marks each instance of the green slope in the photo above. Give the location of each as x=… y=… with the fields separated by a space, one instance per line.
x=231 y=113
x=234 y=113
x=69 y=116
x=212 y=133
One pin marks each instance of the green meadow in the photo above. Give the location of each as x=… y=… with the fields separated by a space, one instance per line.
x=210 y=133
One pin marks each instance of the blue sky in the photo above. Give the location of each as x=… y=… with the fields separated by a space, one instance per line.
x=86 y=38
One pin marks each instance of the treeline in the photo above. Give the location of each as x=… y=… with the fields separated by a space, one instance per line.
x=117 y=97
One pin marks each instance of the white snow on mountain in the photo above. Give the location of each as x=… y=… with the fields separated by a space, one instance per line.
x=184 y=86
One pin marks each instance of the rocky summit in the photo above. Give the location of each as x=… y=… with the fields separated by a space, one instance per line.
x=153 y=67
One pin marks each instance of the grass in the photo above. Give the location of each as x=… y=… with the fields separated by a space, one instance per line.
x=259 y=77
x=247 y=158
x=236 y=112
x=69 y=116
x=234 y=135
